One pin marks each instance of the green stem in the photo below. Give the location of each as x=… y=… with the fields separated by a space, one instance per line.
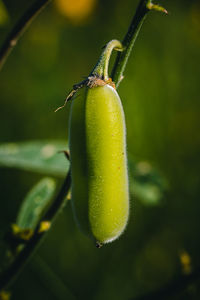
x=9 y=274
x=101 y=68
x=20 y=28
x=128 y=42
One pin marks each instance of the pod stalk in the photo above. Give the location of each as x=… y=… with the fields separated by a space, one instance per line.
x=101 y=68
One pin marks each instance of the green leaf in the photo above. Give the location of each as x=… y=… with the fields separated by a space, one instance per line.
x=145 y=182
x=43 y=156
x=36 y=203
x=38 y=156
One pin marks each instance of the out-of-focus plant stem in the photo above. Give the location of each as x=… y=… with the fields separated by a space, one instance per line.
x=143 y=8
x=7 y=276
x=19 y=29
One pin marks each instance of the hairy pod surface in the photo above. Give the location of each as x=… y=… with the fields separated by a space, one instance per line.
x=97 y=139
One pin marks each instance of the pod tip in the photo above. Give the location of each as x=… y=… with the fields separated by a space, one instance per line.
x=98 y=244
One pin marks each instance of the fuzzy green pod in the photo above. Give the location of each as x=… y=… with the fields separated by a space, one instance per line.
x=97 y=141
x=99 y=163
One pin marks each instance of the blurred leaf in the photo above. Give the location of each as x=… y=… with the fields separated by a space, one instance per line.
x=37 y=156
x=36 y=203
x=42 y=156
x=148 y=193
x=145 y=182
x=3 y=13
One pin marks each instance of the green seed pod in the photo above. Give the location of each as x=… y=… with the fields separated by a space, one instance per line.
x=97 y=139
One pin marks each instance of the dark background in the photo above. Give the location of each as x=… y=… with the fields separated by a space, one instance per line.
x=160 y=95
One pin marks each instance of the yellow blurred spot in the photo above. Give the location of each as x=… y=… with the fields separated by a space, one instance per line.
x=44 y=226
x=15 y=229
x=144 y=167
x=75 y=10
x=69 y=195
x=185 y=260
x=48 y=151
x=24 y=234
x=4 y=295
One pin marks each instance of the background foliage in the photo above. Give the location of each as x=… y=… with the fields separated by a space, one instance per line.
x=160 y=94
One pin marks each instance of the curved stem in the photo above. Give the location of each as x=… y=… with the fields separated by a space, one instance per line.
x=7 y=276
x=143 y=8
x=101 y=68
x=19 y=29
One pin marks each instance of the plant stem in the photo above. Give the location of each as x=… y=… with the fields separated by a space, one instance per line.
x=143 y=8
x=7 y=276
x=19 y=29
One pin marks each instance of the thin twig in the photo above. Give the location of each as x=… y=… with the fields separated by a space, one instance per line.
x=19 y=29
x=7 y=276
x=143 y=8
x=172 y=288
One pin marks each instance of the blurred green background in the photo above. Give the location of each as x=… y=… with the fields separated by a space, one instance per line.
x=160 y=94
